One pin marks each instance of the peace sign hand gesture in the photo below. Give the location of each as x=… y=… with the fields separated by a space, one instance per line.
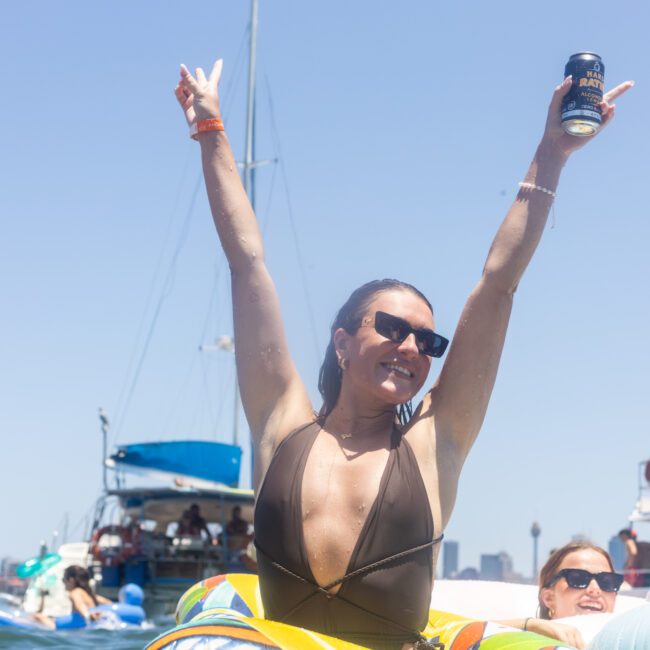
x=198 y=96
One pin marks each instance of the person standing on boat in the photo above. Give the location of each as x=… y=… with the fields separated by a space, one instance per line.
x=351 y=502
x=237 y=526
x=637 y=559
x=198 y=524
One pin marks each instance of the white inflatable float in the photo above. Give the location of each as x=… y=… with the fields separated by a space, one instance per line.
x=627 y=628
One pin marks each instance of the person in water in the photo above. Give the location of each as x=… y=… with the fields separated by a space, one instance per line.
x=77 y=583
x=578 y=578
x=352 y=502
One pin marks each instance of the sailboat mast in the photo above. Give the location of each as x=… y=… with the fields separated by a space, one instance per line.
x=249 y=184
x=250 y=108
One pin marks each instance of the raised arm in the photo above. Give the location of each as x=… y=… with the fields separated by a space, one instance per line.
x=274 y=398
x=460 y=398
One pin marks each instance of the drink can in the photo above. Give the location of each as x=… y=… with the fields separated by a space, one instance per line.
x=580 y=112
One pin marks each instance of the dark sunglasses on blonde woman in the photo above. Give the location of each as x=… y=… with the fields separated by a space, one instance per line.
x=580 y=579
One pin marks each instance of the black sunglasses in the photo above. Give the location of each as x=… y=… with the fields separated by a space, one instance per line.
x=580 y=579
x=397 y=329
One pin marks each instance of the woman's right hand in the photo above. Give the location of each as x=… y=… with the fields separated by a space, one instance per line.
x=555 y=139
x=559 y=631
x=198 y=96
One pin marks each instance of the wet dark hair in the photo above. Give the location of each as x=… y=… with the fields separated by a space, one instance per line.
x=553 y=563
x=349 y=318
x=628 y=533
x=81 y=577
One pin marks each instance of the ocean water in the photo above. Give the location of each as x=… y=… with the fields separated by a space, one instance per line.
x=113 y=639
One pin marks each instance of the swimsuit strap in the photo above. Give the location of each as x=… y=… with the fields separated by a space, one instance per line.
x=354 y=574
x=420 y=642
x=375 y=565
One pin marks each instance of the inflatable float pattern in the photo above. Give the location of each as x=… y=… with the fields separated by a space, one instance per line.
x=226 y=612
x=37 y=565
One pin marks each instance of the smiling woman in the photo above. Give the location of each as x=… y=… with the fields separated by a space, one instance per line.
x=357 y=313
x=578 y=578
x=352 y=502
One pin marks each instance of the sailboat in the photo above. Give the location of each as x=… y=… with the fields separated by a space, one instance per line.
x=137 y=535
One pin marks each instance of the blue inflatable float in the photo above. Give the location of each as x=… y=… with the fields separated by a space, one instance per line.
x=127 y=612
x=627 y=631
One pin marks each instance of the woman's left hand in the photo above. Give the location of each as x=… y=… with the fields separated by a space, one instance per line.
x=556 y=139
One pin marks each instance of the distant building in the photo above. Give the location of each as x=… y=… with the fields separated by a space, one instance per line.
x=449 y=559
x=468 y=573
x=499 y=566
x=492 y=566
x=617 y=552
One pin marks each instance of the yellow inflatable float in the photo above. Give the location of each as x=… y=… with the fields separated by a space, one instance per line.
x=226 y=612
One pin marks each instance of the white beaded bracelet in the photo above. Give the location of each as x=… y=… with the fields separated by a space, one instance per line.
x=532 y=186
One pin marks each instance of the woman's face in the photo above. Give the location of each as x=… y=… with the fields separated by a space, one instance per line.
x=391 y=372
x=563 y=600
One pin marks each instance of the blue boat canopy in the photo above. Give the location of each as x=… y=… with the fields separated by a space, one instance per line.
x=212 y=462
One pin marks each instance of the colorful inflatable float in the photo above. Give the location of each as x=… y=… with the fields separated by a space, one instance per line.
x=226 y=612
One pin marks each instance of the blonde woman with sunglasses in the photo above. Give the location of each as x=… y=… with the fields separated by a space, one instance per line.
x=577 y=579
x=351 y=504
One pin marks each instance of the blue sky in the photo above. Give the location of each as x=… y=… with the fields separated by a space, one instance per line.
x=402 y=131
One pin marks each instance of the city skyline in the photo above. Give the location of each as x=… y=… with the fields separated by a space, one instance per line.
x=499 y=564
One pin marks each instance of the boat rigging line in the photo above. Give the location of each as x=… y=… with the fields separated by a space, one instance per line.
x=292 y=222
x=248 y=166
x=124 y=398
